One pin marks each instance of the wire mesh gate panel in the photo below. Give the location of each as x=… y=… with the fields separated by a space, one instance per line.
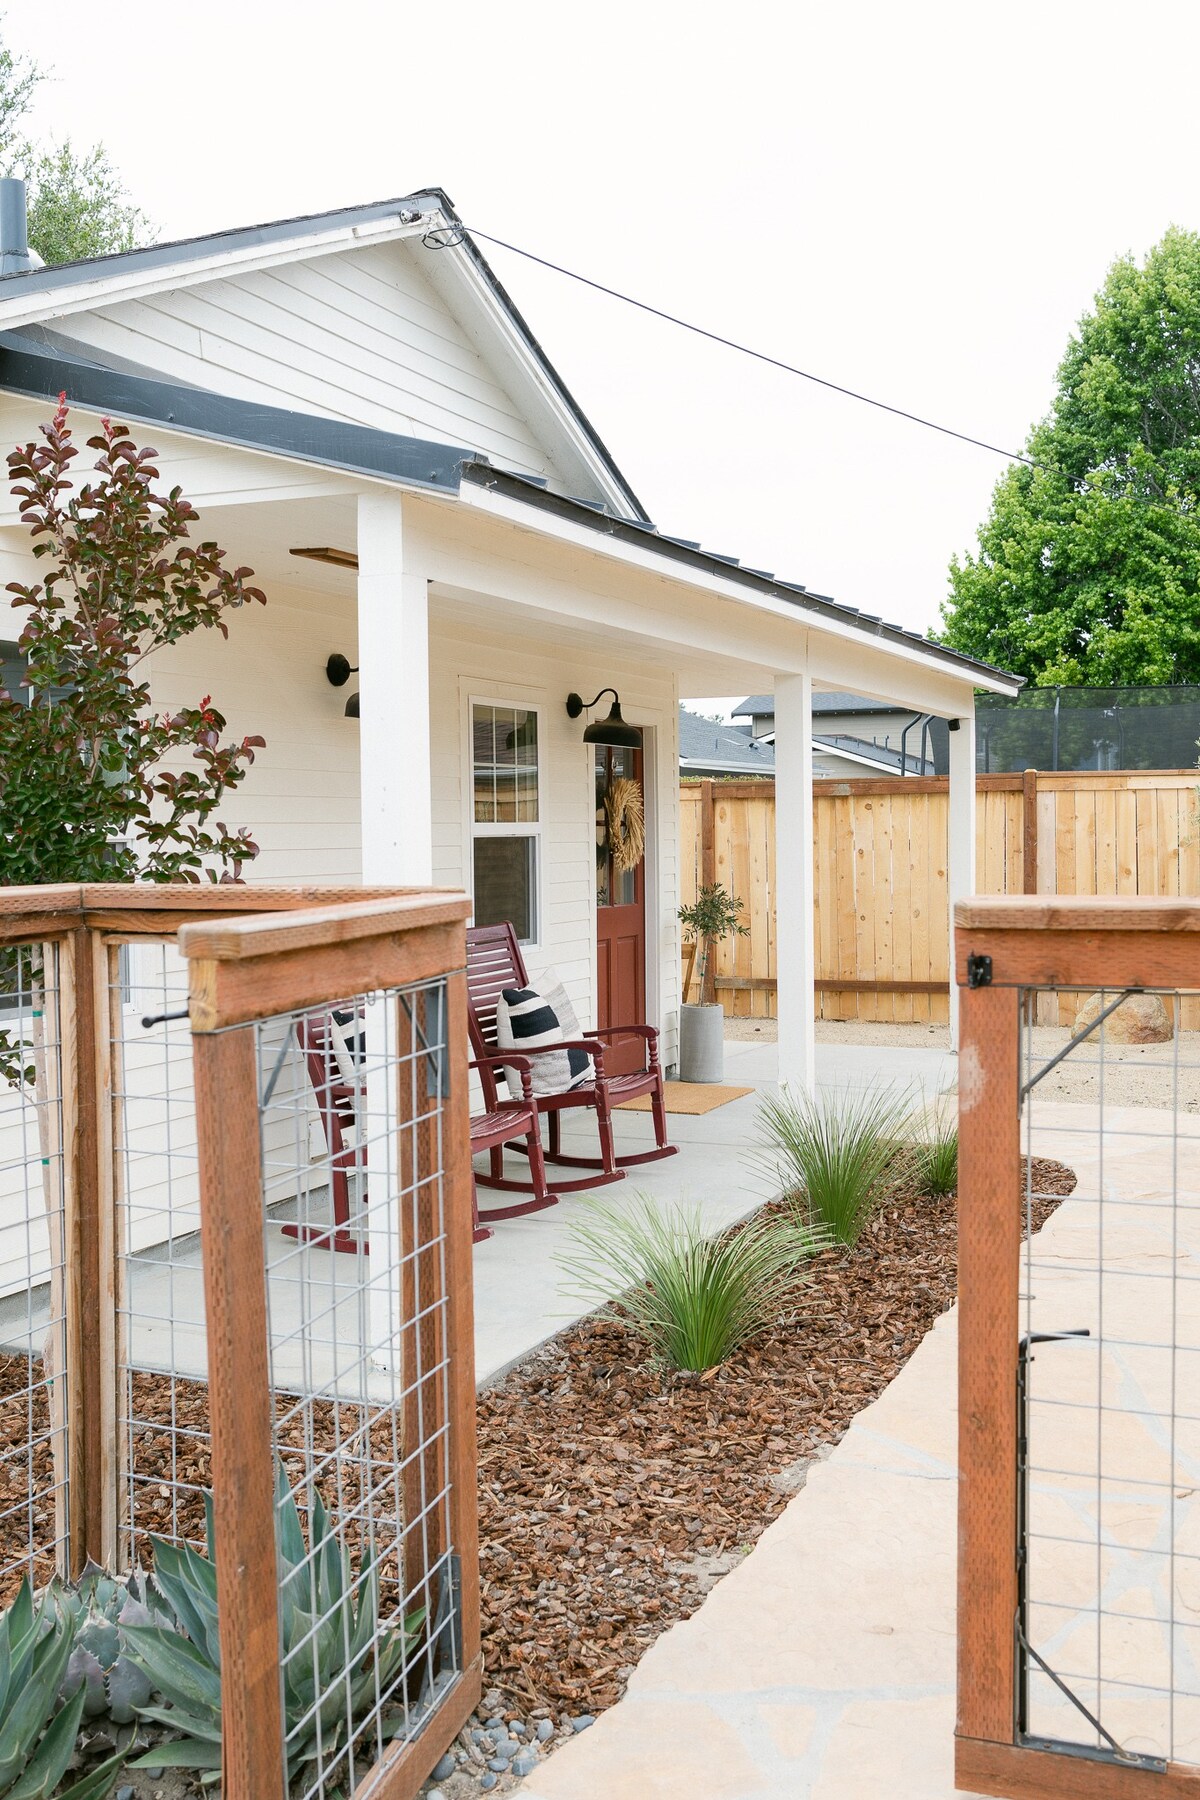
x=34 y=1385
x=239 y=1266
x=1079 y=1407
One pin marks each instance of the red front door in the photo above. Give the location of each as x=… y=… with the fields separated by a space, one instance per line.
x=620 y=921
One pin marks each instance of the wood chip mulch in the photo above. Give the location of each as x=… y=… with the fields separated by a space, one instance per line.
x=613 y=1493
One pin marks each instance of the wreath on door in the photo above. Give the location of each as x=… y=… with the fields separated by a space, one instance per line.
x=626 y=823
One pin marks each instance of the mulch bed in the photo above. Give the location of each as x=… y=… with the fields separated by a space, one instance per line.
x=612 y=1493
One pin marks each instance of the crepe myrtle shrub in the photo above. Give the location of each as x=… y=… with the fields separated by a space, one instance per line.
x=95 y=785
x=694 y=1297
x=90 y=787
x=714 y=914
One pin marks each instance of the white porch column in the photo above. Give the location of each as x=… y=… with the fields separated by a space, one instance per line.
x=960 y=863
x=397 y=843
x=393 y=684
x=795 y=953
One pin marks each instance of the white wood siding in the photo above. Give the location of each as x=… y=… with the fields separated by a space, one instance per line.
x=500 y=665
x=360 y=336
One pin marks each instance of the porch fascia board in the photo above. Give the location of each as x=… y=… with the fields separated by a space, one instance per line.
x=936 y=685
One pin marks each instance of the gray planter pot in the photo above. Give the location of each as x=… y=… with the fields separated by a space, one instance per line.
x=701 y=1043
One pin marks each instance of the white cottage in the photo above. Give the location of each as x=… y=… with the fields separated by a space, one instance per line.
x=361 y=414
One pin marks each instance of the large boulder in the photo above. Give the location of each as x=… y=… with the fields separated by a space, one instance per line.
x=1142 y=1019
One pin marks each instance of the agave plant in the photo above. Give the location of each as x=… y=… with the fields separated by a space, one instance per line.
x=98 y=1607
x=37 y=1730
x=334 y=1667
x=694 y=1296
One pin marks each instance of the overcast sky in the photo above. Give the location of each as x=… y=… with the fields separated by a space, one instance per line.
x=916 y=200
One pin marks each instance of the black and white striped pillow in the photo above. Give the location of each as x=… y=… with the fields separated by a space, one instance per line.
x=529 y=1020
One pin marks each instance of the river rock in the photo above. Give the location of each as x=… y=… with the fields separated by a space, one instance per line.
x=1142 y=1019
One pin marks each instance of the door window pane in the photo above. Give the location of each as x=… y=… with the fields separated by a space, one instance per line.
x=506 y=883
x=614 y=887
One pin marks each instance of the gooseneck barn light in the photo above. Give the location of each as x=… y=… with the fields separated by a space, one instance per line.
x=338 y=671
x=612 y=730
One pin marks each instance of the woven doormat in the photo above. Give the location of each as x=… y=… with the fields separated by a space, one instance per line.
x=689 y=1097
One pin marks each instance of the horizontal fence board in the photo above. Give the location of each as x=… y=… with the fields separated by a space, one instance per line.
x=880 y=921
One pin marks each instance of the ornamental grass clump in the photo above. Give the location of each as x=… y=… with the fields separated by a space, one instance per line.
x=836 y=1154
x=935 y=1157
x=694 y=1298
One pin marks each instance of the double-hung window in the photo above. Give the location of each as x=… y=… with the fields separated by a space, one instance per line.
x=505 y=828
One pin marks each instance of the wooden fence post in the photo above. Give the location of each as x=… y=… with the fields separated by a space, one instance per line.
x=1029 y=831
x=239 y=1375
x=989 y=1250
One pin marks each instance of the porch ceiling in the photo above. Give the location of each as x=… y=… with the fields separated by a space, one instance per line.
x=264 y=535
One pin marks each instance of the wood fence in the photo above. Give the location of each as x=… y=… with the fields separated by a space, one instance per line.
x=882 y=932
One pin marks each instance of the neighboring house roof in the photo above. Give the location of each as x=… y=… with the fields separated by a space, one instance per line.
x=721 y=749
x=861 y=750
x=762 y=706
x=42 y=363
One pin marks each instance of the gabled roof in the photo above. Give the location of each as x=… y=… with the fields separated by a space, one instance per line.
x=43 y=370
x=33 y=295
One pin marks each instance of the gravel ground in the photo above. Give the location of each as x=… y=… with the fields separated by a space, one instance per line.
x=1134 y=1074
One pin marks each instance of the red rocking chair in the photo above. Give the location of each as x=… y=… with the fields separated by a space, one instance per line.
x=494 y=962
x=503 y=1121
x=337 y=1104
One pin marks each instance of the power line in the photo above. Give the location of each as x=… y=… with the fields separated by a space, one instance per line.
x=451 y=239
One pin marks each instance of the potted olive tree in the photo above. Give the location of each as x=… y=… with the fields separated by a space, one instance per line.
x=714 y=915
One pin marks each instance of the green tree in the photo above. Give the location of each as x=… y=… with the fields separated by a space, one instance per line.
x=1088 y=566
x=78 y=204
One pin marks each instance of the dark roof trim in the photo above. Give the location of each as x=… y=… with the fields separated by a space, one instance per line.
x=280 y=231
x=639 y=532
x=42 y=372
x=192 y=249
x=547 y=367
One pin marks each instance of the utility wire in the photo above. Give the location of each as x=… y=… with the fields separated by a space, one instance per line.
x=450 y=240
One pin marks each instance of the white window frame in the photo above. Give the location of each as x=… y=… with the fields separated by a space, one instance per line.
x=524 y=828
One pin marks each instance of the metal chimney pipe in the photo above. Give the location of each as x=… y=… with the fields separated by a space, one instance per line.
x=15 y=254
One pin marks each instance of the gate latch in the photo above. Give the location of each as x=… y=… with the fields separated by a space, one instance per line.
x=979 y=971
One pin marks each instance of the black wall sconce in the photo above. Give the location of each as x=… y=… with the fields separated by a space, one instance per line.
x=612 y=730
x=338 y=671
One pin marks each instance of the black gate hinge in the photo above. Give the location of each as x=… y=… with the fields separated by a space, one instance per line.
x=979 y=971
